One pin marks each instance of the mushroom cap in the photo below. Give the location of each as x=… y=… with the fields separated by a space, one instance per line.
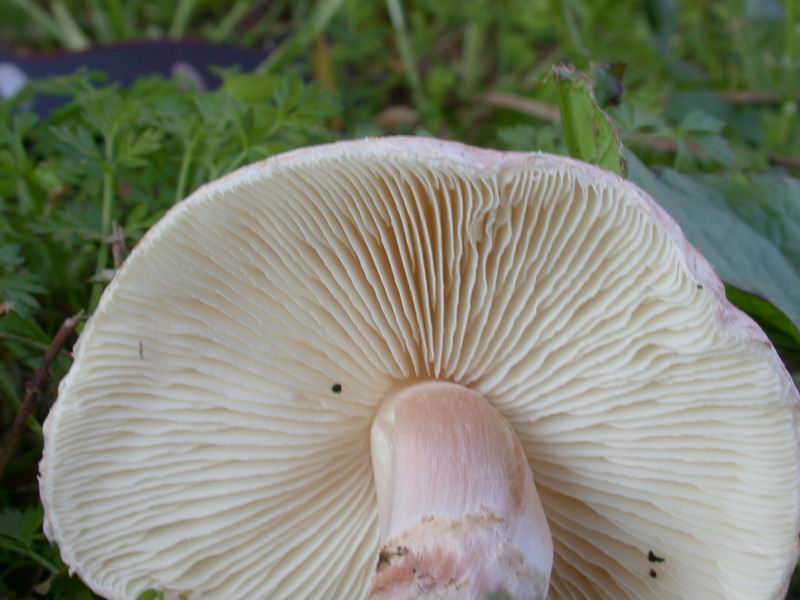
x=198 y=445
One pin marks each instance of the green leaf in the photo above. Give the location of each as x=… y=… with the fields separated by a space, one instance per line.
x=18 y=291
x=46 y=177
x=133 y=151
x=776 y=325
x=590 y=134
x=717 y=148
x=136 y=216
x=22 y=526
x=524 y=137
x=251 y=87
x=17 y=287
x=76 y=84
x=749 y=229
x=700 y=122
x=65 y=587
x=78 y=140
x=150 y=595
x=23 y=123
x=9 y=256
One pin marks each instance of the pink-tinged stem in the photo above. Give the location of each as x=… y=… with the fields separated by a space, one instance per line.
x=459 y=512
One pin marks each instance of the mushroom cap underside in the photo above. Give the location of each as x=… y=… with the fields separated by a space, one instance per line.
x=212 y=436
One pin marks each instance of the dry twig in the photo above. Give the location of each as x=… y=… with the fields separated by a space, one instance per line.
x=753 y=97
x=33 y=388
x=790 y=162
x=529 y=106
x=117 y=240
x=548 y=112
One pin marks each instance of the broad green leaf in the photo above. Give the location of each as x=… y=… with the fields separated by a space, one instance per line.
x=632 y=118
x=150 y=595
x=740 y=122
x=700 y=122
x=749 y=229
x=22 y=526
x=589 y=132
x=774 y=323
x=717 y=148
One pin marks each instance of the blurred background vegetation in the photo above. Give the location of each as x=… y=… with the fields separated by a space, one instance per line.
x=702 y=94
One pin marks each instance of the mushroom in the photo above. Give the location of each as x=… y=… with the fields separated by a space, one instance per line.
x=405 y=368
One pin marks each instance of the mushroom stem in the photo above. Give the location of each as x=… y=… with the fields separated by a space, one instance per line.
x=459 y=512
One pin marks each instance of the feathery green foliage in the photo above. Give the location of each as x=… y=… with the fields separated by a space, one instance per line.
x=705 y=118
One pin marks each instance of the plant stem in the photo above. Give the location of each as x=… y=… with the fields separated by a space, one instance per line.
x=105 y=230
x=33 y=388
x=404 y=48
x=30 y=553
x=180 y=191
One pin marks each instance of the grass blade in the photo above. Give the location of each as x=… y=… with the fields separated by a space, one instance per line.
x=321 y=16
x=181 y=18
x=70 y=28
x=404 y=47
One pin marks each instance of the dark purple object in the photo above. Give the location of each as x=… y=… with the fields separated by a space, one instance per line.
x=125 y=62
